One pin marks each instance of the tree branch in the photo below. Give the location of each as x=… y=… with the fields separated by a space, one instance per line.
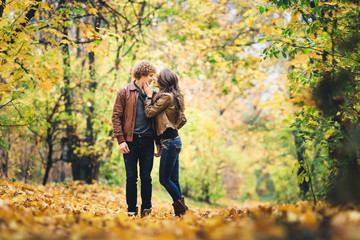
x=18 y=111
x=28 y=16
x=84 y=42
x=31 y=13
x=235 y=45
x=7 y=103
x=57 y=104
x=13 y=125
x=22 y=67
x=2 y=7
x=141 y=13
x=130 y=48
x=114 y=11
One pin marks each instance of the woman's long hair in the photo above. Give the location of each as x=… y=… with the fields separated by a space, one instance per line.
x=168 y=82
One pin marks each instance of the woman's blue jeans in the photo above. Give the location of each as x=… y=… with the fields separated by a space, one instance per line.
x=169 y=166
x=142 y=152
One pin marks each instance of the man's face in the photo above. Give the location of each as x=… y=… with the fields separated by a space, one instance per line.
x=149 y=78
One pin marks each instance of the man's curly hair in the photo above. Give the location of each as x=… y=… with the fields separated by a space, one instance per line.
x=142 y=68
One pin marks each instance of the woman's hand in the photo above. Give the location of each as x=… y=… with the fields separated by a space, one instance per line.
x=158 y=151
x=148 y=89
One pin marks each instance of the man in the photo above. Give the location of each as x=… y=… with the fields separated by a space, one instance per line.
x=135 y=135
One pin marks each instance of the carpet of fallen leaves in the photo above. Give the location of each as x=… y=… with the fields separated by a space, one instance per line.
x=79 y=211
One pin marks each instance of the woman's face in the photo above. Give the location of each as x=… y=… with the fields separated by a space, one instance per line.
x=156 y=79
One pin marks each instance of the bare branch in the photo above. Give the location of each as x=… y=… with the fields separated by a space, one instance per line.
x=22 y=67
x=130 y=48
x=13 y=125
x=18 y=111
x=116 y=12
x=84 y=42
x=9 y=102
x=141 y=13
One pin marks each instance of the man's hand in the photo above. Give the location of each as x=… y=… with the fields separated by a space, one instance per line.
x=123 y=147
x=158 y=151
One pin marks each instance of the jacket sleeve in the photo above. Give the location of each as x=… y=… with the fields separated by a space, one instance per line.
x=117 y=116
x=153 y=108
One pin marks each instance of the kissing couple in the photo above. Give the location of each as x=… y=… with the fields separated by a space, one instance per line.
x=143 y=118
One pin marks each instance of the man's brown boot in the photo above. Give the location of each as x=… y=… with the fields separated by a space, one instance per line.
x=145 y=212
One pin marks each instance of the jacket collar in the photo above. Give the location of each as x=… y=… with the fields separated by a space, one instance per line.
x=132 y=86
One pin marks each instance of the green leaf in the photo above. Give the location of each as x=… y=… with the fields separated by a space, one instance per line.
x=67 y=24
x=300 y=178
x=15 y=95
x=261 y=9
x=4 y=145
x=276 y=54
x=305 y=50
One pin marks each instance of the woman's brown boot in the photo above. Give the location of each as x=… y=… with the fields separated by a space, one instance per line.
x=183 y=202
x=179 y=208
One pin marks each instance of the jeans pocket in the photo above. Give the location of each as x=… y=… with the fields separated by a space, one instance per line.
x=178 y=145
x=177 y=150
x=177 y=142
x=163 y=145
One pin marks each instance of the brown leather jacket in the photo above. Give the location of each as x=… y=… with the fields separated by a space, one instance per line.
x=124 y=113
x=162 y=107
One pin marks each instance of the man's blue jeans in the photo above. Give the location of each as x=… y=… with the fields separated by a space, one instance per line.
x=142 y=151
x=169 y=166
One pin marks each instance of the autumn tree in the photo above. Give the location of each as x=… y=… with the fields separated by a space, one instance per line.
x=18 y=56
x=324 y=36
x=58 y=28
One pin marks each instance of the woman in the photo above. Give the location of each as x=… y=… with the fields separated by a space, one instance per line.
x=167 y=107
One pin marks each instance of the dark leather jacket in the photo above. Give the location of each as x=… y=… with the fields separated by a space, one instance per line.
x=162 y=108
x=124 y=113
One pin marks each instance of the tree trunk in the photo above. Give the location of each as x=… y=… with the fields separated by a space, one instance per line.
x=78 y=52
x=87 y=168
x=49 y=161
x=70 y=140
x=344 y=185
x=304 y=185
x=4 y=157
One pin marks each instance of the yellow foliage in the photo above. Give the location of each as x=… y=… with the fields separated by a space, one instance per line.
x=4 y=87
x=77 y=211
x=305 y=98
x=267 y=30
x=294 y=17
x=92 y=10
